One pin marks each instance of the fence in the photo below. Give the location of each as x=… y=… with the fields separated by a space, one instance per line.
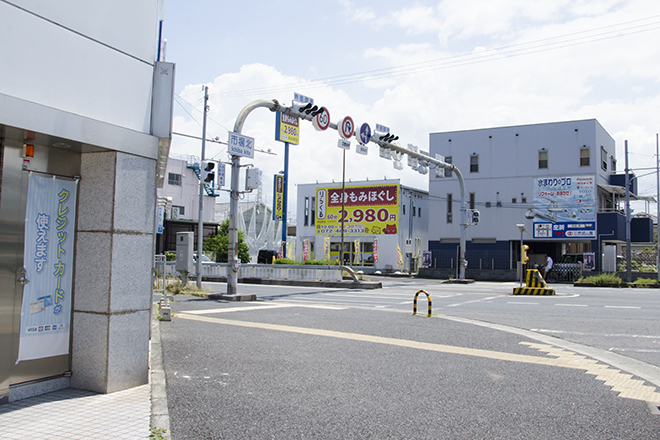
x=266 y=271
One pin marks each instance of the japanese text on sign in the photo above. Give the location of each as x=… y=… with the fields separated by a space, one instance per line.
x=239 y=145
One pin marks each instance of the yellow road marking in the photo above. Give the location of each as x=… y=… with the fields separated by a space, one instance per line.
x=622 y=383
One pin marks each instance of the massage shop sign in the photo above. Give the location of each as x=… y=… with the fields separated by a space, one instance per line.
x=372 y=209
x=48 y=259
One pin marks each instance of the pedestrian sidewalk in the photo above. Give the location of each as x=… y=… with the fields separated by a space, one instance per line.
x=72 y=414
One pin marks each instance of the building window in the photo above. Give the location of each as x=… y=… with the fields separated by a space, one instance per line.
x=472 y=201
x=474 y=163
x=306 y=212
x=543 y=159
x=174 y=179
x=419 y=212
x=404 y=209
x=513 y=200
x=313 y=211
x=603 y=158
x=585 y=158
x=523 y=199
x=447 y=170
x=412 y=208
x=612 y=164
x=449 y=205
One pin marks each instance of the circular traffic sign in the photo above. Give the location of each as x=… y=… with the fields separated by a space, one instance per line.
x=346 y=127
x=322 y=119
x=364 y=134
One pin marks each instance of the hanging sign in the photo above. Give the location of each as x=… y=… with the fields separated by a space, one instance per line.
x=278 y=196
x=364 y=134
x=287 y=128
x=50 y=219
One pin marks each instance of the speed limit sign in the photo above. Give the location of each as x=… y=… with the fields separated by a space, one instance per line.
x=322 y=119
x=346 y=127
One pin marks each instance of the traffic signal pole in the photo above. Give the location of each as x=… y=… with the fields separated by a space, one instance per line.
x=200 y=221
x=275 y=106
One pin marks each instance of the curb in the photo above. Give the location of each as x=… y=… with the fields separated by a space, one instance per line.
x=160 y=417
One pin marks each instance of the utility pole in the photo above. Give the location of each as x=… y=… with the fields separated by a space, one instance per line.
x=657 y=202
x=628 y=250
x=200 y=221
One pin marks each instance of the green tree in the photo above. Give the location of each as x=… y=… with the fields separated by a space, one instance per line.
x=219 y=244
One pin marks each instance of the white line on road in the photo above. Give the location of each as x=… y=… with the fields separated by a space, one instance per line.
x=605 y=335
x=622 y=307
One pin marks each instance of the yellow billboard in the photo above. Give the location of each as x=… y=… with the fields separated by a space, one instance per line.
x=369 y=209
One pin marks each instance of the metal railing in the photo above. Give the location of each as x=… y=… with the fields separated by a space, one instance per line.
x=267 y=271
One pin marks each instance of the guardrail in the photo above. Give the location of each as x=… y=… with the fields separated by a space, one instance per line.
x=267 y=271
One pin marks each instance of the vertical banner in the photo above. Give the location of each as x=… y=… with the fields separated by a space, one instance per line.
x=280 y=253
x=356 y=243
x=50 y=218
x=375 y=251
x=278 y=196
x=305 y=250
x=326 y=248
x=399 y=257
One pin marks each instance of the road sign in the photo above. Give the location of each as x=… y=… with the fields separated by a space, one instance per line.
x=220 y=175
x=239 y=145
x=346 y=127
x=322 y=120
x=361 y=149
x=287 y=128
x=302 y=98
x=344 y=143
x=364 y=134
x=382 y=129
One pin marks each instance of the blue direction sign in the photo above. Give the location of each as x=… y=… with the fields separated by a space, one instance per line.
x=364 y=134
x=239 y=145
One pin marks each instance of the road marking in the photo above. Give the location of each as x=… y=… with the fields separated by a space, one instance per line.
x=261 y=307
x=634 y=350
x=622 y=383
x=622 y=307
x=605 y=335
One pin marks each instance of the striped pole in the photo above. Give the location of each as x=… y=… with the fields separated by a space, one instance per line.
x=428 y=297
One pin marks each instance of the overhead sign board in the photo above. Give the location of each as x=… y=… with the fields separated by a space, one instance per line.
x=287 y=128
x=371 y=209
x=564 y=207
x=239 y=145
x=302 y=98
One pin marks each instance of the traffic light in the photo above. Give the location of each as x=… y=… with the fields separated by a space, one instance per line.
x=525 y=257
x=208 y=175
x=475 y=217
x=306 y=110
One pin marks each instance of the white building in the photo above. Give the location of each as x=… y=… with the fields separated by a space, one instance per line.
x=557 y=179
x=85 y=120
x=182 y=185
x=381 y=217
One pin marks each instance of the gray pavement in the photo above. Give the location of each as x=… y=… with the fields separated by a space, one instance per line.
x=129 y=414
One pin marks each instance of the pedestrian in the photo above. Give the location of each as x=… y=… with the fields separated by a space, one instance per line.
x=547 y=266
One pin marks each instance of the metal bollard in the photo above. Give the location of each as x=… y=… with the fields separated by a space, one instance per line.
x=428 y=297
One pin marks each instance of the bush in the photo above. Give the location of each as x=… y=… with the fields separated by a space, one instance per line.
x=170 y=256
x=603 y=279
x=639 y=282
x=285 y=261
x=320 y=262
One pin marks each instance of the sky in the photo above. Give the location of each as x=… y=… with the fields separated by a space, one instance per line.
x=417 y=67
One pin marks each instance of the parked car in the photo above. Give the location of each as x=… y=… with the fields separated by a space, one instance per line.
x=205 y=259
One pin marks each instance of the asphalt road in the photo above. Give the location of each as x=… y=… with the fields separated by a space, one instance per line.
x=320 y=363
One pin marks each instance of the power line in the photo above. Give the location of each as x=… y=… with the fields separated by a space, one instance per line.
x=536 y=46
